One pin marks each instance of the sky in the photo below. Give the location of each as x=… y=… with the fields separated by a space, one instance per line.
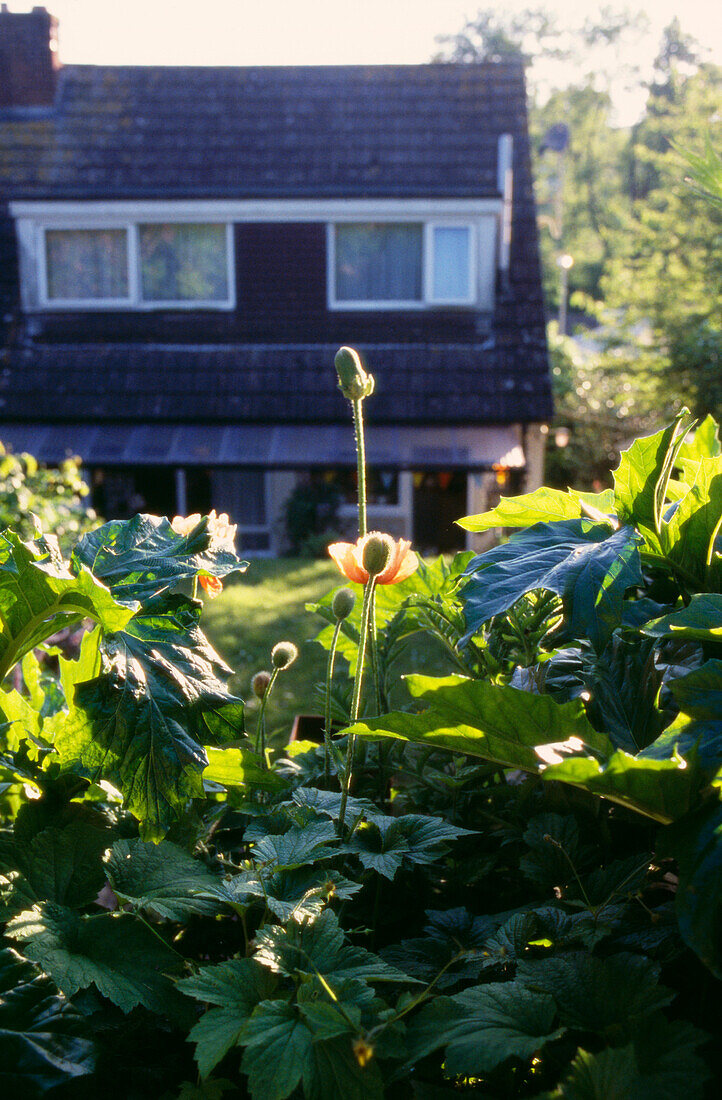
x=319 y=32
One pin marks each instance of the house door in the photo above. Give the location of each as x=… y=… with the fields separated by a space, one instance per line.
x=439 y=500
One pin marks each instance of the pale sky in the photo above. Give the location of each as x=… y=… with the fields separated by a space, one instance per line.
x=315 y=32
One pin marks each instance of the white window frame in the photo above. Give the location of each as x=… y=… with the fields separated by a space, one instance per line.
x=134 y=301
x=430 y=264
x=427 y=299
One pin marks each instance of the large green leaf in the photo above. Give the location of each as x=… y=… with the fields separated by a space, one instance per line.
x=163 y=880
x=605 y=996
x=299 y=894
x=660 y=1064
x=484 y=1026
x=588 y=564
x=544 y=505
x=298 y=847
x=623 y=682
x=688 y=539
x=235 y=987
x=237 y=767
x=65 y=865
x=114 y=952
x=333 y=1072
x=700 y=620
x=140 y=723
x=143 y=557
x=384 y=843
x=696 y=732
x=39 y=595
x=40 y=1042
x=278 y=1047
x=640 y=480
x=696 y=843
x=500 y=724
x=317 y=947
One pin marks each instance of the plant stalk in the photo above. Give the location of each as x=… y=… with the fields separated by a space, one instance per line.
x=261 y=726
x=356 y=699
x=358 y=424
x=327 y=704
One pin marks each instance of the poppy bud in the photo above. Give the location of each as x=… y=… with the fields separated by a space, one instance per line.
x=259 y=684
x=283 y=655
x=376 y=554
x=354 y=381
x=342 y=603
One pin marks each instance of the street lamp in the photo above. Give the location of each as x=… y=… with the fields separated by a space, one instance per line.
x=565 y=263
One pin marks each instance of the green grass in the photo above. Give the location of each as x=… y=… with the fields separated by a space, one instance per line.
x=264 y=606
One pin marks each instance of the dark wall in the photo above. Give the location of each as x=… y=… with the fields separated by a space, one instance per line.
x=281 y=297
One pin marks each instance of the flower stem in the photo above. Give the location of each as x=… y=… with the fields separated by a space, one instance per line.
x=261 y=726
x=327 y=707
x=356 y=699
x=374 y=652
x=358 y=423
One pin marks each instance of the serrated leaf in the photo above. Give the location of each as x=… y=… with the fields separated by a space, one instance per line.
x=588 y=564
x=556 y=848
x=163 y=880
x=113 y=952
x=65 y=865
x=384 y=843
x=40 y=1042
x=640 y=480
x=277 y=1048
x=318 y=948
x=606 y=996
x=696 y=732
x=500 y=724
x=236 y=987
x=298 y=895
x=39 y=595
x=660 y=1064
x=700 y=620
x=543 y=505
x=624 y=683
x=236 y=767
x=297 y=847
x=143 y=557
x=688 y=539
x=484 y=1026
x=332 y=1072
x=138 y=724
x=696 y=843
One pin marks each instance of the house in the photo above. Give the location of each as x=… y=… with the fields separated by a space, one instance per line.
x=182 y=251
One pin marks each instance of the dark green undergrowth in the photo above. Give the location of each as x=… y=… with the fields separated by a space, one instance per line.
x=502 y=879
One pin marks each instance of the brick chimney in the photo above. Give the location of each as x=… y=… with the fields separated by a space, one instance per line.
x=28 y=58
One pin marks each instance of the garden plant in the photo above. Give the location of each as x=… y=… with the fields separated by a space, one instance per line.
x=499 y=874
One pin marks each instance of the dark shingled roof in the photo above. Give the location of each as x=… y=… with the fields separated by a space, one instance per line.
x=411 y=131
x=415 y=384
x=401 y=130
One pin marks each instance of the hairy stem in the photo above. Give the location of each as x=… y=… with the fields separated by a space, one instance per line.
x=356 y=699
x=358 y=424
x=327 y=705
x=261 y=726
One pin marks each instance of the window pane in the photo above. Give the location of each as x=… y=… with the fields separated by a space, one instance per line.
x=86 y=264
x=183 y=263
x=378 y=263
x=451 y=263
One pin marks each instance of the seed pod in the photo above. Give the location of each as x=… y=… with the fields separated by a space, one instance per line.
x=259 y=684
x=283 y=655
x=354 y=381
x=376 y=553
x=342 y=603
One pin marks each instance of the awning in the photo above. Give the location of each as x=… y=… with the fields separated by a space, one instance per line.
x=286 y=446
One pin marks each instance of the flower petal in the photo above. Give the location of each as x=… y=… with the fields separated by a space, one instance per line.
x=345 y=558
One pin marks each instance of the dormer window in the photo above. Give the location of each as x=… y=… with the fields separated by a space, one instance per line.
x=401 y=265
x=139 y=265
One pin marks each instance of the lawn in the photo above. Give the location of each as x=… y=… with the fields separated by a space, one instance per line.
x=265 y=605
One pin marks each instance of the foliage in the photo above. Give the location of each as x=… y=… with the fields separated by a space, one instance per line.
x=54 y=499
x=312 y=518
x=512 y=889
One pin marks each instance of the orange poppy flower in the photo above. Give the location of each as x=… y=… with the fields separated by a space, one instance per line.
x=211 y=585
x=349 y=558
